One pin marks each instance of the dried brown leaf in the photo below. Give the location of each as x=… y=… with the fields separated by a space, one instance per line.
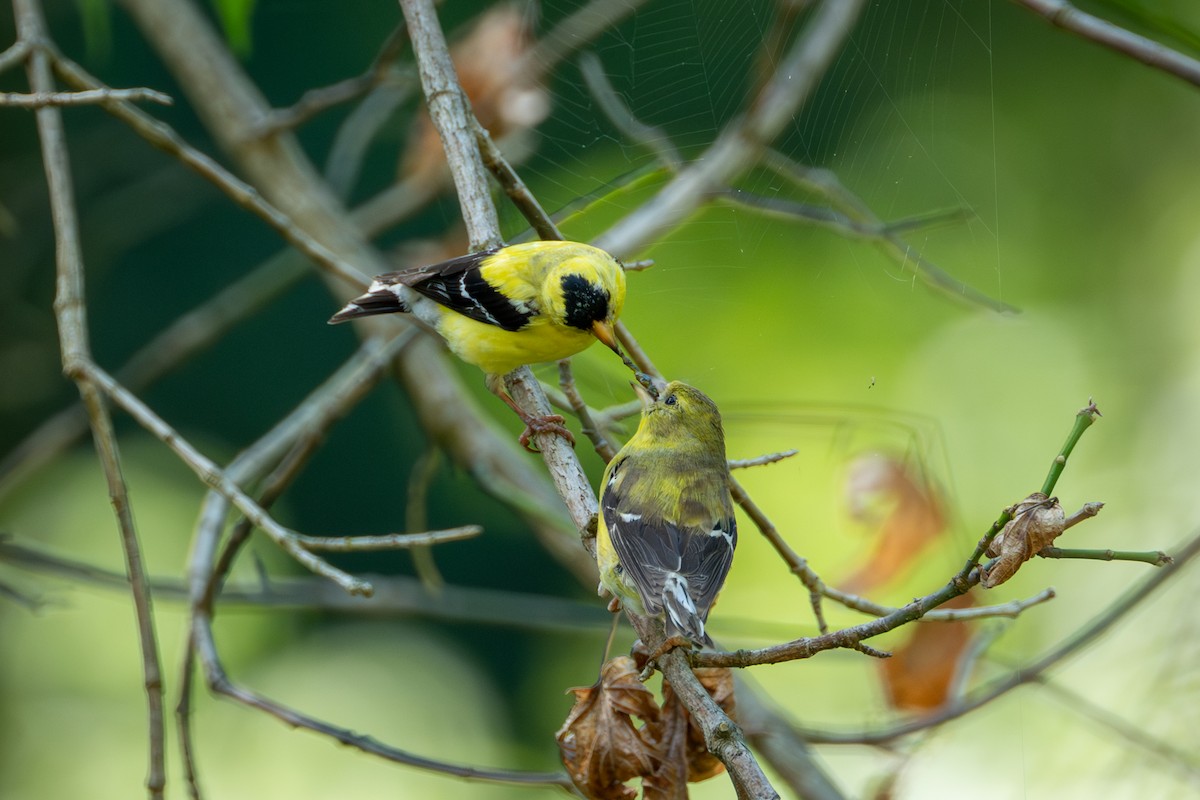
x=906 y=510
x=670 y=777
x=681 y=741
x=488 y=61
x=602 y=746
x=1037 y=521
x=920 y=672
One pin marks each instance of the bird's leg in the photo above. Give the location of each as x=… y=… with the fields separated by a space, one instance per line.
x=669 y=644
x=534 y=424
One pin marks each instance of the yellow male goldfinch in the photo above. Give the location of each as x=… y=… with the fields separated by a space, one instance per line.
x=503 y=308
x=667 y=531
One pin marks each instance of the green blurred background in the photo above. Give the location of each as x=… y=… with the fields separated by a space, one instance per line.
x=1080 y=170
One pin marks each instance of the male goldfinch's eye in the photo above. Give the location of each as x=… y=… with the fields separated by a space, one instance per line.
x=671 y=400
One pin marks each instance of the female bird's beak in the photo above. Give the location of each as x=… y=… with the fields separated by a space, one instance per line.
x=605 y=333
x=648 y=388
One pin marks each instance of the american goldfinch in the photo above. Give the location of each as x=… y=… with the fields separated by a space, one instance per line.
x=503 y=308
x=667 y=531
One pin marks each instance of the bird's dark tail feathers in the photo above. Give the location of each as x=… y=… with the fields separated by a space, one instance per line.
x=379 y=299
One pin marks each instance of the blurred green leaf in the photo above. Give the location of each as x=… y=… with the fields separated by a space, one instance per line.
x=96 y=18
x=235 y=16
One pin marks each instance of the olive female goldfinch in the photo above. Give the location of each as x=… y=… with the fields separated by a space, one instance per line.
x=667 y=532
x=503 y=308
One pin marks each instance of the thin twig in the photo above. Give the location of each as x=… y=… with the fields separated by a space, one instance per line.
x=316 y=101
x=514 y=187
x=27 y=601
x=572 y=33
x=1155 y=558
x=740 y=145
x=587 y=425
x=241 y=193
x=1078 y=641
x=393 y=541
x=1083 y=420
x=1011 y=609
x=1180 y=758
x=967 y=577
x=16 y=53
x=396 y=596
x=763 y=460
x=212 y=476
x=1064 y=15
x=851 y=637
x=187 y=335
x=846 y=637
x=84 y=98
x=862 y=222
x=416 y=516
x=867 y=229
x=367 y=744
x=612 y=106
x=71 y=315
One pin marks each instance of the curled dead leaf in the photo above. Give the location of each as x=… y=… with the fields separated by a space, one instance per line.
x=602 y=745
x=1037 y=521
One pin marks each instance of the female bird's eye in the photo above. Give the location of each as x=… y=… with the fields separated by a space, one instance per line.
x=671 y=400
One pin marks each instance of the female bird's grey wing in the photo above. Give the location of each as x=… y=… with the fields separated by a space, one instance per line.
x=645 y=551
x=707 y=557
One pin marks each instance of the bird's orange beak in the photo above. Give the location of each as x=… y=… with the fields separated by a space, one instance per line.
x=605 y=333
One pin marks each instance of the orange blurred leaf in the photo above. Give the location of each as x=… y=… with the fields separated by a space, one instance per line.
x=602 y=746
x=505 y=97
x=920 y=673
x=906 y=510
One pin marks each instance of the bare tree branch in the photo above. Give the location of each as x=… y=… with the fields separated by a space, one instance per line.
x=1028 y=673
x=741 y=144
x=395 y=596
x=70 y=313
x=84 y=98
x=451 y=114
x=1064 y=15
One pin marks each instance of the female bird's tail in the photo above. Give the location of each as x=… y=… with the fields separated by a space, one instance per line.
x=682 y=617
